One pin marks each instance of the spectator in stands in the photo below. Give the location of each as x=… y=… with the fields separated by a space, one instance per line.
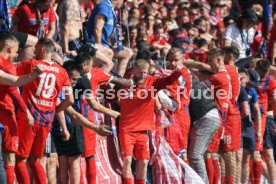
x=242 y=33
x=37 y=19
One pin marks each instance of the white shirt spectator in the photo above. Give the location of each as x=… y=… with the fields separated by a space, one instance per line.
x=241 y=42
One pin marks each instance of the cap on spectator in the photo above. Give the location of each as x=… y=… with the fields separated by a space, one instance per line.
x=182 y=37
x=250 y=15
x=254 y=78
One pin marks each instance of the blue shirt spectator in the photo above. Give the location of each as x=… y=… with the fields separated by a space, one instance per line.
x=103 y=8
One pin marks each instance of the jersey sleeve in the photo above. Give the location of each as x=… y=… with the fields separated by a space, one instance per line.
x=254 y=95
x=102 y=76
x=271 y=87
x=52 y=17
x=102 y=9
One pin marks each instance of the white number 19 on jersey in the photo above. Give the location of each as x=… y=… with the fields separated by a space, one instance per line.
x=46 y=85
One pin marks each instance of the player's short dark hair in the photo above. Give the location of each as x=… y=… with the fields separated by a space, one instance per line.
x=71 y=66
x=200 y=42
x=263 y=65
x=232 y=50
x=143 y=54
x=47 y=44
x=82 y=58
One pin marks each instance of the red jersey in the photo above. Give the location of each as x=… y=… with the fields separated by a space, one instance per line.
x=182 y=88
x=219 y=84
x=198 y=55
x=137 y=106
x=97 y=76
x=41 y=94
x=29 y=21
x=6 y=102
x=234 y=88
x=267 y=88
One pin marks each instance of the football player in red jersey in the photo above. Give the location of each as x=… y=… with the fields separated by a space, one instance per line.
x=180 y=91
x=137 y=117
x=8 y=96
x=219 y=81
x=267 y=94
x=41 y=97
x=232 y=130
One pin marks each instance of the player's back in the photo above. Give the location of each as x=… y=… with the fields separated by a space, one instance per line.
x=234 y=88
x=220 y=83
x=41 y=94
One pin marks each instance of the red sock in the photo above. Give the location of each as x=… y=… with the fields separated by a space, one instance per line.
x=81 y=176
x=38 y=172
x=229 y=180
x=257 y=170
x=128 y=181
x=210 y=169
x=10 y=174
x=186 y=161
x=216 y=171
x=22 y=174
x=91 y=171
x=222 y=179
x=251 y=174
x=140 y=181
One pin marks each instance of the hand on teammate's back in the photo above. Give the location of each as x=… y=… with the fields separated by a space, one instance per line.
x=37 y=69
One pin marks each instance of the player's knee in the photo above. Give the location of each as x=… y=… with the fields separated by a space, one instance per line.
x=127 y=162
x=268 y=154
x=142 y=163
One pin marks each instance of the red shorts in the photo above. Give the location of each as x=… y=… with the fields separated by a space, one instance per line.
x=32 y=140
x=183 y=118
x=10 y=135
x=232 y=133
x=137 y=141
x=259 y=145
x=89 y=142
x=214 y=144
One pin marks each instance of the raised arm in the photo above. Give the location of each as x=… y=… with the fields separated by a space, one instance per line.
x=12 y=80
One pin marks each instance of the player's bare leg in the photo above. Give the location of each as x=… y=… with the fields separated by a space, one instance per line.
x=269 y=157
x=52 y=168
x=141 y=173
x=63 y=169
x=239 y=155
x=74 y=172
x=230 y=166
x=222 y=167
x=127 y=173
x=245 y=166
